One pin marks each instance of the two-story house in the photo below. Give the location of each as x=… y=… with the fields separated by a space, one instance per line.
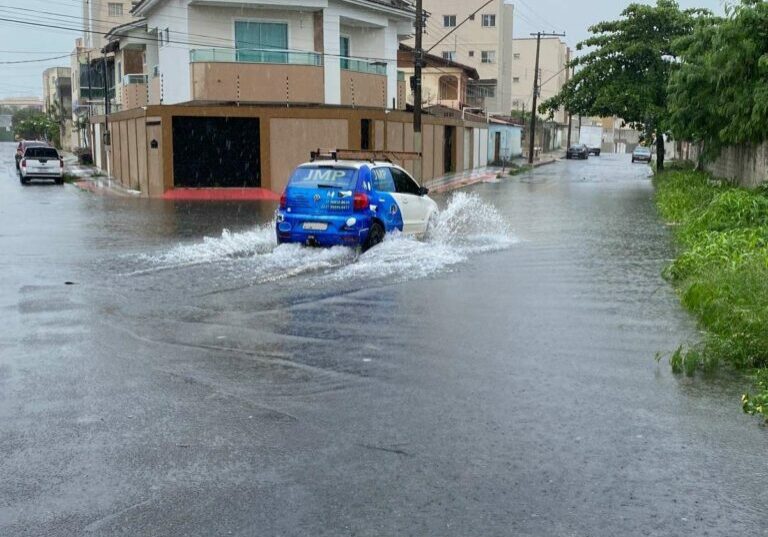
x=336 y=52
x=232 y=95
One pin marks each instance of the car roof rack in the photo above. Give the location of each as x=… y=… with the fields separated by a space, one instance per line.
x=366 y=155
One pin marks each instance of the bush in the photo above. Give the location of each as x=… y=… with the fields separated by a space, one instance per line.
x=721 y=273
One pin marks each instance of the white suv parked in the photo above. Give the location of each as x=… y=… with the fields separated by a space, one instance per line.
x=41 y=163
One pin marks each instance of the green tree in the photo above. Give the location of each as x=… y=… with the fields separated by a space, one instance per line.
x=719 y=94
x=627 y=67
x=31 y=124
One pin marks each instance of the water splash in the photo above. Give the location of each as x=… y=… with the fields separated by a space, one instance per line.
x=467 y=226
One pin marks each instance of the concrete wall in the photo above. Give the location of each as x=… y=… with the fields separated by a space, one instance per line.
x=174 y=57
x=745 y=165
x=511 y=141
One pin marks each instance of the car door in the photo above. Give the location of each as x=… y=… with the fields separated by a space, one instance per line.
x=416 y=208
x=383 y=201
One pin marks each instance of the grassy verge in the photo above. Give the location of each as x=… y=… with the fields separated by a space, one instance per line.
x=721 y=274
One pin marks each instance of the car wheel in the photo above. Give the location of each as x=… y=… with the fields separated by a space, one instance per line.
x=59 y=181
x=23 y=180
x=375 y=236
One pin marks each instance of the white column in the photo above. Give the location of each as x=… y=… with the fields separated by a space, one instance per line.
x=332 y=48
x=391 y=46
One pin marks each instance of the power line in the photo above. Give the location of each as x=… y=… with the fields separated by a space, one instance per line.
x=35 y=61
x=150 y=39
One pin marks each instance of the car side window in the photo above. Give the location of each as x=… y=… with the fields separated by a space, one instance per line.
x=382 y=180
x=404 y=184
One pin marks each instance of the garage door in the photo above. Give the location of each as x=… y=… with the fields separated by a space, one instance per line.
x=216 y=152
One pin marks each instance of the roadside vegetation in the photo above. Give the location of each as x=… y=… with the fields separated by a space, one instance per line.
x=721 y=274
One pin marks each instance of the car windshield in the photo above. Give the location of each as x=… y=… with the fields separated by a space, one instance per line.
x=576 y=147
x=324 y=177
x=643 y=150
x=41 y=152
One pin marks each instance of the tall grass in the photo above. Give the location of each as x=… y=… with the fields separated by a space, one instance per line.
x=721 y=273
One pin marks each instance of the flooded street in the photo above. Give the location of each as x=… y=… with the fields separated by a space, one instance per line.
x=496 y=379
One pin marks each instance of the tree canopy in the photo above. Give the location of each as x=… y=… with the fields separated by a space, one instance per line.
x=719 y=94
x=31 y=124
x=626 y=69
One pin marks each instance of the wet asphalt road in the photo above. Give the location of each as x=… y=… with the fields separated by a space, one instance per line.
x=186 y=386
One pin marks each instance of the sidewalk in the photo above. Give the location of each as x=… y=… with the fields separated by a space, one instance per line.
x=488 y=174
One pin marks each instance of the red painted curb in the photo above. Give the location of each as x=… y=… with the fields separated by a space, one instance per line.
x=221 y=194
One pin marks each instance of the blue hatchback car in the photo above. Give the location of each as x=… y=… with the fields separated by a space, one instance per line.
x=351 y=203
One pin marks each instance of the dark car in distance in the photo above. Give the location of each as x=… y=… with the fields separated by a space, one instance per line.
x=641 y=154
x=577 y=151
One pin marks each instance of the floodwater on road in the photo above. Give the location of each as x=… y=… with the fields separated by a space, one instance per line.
x=495 y=379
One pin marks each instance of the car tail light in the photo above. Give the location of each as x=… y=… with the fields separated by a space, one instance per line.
x=361 y=201
x=283 y=201
x=23 y=163
x=61 y=163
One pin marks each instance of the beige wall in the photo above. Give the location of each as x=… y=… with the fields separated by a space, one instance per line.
x=431 y=85
x=363 y=89
x=552 y=61
x=134 y=96
x=293 y=139
x=287 y=137
x=97 y=19
x=258 y=83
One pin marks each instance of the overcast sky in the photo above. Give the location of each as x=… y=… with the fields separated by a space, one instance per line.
x=19 y=42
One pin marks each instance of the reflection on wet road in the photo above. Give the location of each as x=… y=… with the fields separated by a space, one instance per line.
x=495 y=379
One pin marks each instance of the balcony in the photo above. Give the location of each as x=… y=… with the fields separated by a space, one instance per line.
x=257 y=75
x=363 y=83
x=134 y=91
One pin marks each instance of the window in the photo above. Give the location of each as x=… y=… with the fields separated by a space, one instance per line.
x=488 y=56
x=449 y=55
x=404 y=184
x=345 y=49
x=471 y=53
x=516 y=55
x=449 y=21
x=516 y=79
x=119 y=70
x=489 y=21
x=382 y=180
x=253 y=40
x=115 y=9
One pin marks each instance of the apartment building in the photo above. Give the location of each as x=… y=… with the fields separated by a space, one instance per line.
x=93 y=71
x=554 y=57
x=100 y=16
x=483 y=42
x=57 y=101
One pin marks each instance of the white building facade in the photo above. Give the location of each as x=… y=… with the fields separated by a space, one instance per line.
x=336 y=52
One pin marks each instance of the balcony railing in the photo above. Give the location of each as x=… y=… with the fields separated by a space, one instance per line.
x=363 y=66
x=265 y=56
x=134 y=79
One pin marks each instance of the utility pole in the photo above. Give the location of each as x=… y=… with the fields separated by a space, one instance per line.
x=570 y=114
x=418 y=55
x=532 y=141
